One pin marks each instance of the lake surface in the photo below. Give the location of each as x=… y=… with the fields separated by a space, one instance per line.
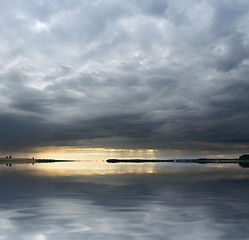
x=99 y=200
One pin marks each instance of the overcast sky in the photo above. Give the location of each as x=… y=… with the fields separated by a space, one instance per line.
x=151 y=74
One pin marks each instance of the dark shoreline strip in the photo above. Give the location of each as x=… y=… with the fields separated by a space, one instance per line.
x=201 y=161
x=135 y=161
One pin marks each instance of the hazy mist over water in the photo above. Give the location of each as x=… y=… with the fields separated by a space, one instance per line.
x=97 y=200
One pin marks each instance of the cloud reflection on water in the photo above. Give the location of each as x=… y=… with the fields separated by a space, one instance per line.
x=178 y=203
x=70 y=219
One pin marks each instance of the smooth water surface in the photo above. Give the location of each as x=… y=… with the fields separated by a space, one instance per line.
x=97 y=200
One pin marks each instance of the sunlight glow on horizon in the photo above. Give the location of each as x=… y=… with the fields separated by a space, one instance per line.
x=77 y=153
x=100 y=153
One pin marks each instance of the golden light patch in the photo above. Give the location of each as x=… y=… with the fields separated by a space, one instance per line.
x=78 y=153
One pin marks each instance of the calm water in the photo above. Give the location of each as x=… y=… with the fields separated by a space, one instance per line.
x=97 y=200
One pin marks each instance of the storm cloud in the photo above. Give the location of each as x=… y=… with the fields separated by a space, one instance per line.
x=153 y=74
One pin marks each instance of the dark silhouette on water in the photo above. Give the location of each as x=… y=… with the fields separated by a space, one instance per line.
x=136 y=160
x=244 y=157
x=199 y=160
x=8 y=161
x=244 y=164
x=243 y=161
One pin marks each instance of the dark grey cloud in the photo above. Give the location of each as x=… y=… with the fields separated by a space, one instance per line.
x=164 y=74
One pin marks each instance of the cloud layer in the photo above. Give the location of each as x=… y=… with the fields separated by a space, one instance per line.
x=153 y=74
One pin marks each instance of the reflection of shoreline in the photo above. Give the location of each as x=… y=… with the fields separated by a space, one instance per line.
x=16 y=160
x=12 y=161
x=242 y=163
x=201 y=160
x=136 y=161
x=244 y=158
